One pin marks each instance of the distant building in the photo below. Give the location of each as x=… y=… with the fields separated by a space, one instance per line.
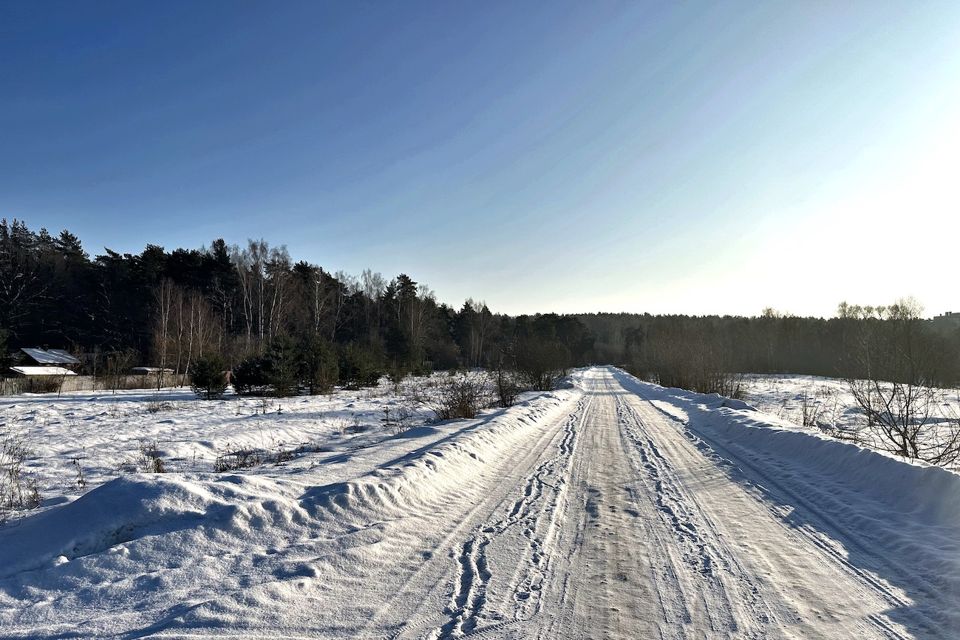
x=40 y=363
x=150 y=371
x=48 y=358
x=948 y=321
x=39 y=372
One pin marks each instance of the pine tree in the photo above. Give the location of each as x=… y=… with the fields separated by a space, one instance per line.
x=282 y=370
x=207 y=378
x=318 y=365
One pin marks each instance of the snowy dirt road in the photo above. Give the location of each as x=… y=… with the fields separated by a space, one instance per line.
x=667 y=545
x=616 y=509
x=628 y=526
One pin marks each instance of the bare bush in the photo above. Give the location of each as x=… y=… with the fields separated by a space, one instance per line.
x=541 y=362
x=461 y=396
x=245 y=458
x=896 y=394
x=16 y=491
x=398 y=419
x=238 y=459
x=158 y=406
x=690 y=356
x=726 y=384
x=820 y=408
x=903 y=417
x=284 y=454
x=507 y=386
x=149 y=460
x=416 y=391
x=810 y=410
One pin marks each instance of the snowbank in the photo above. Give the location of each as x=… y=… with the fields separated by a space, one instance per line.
x=126 y=509
x=416 y=478
x=928 y=495
x=922 y=493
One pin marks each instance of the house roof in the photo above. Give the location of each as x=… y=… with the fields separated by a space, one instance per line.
x=66 y=355
x=149 y=370
x=50 y=356
x=43 y=371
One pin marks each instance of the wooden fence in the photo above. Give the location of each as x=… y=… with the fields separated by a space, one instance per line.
x=50 y=384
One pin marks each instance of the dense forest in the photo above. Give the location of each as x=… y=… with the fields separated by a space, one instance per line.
x=243 y=303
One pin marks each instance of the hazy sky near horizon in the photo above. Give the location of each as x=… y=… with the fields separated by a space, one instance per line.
x=552 y=156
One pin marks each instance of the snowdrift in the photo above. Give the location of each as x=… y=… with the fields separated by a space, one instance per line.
x=417 y=477
x=138 y=506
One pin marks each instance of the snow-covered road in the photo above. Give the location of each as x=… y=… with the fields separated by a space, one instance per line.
x=668 y=545
x=616 y=509
x=623 y=527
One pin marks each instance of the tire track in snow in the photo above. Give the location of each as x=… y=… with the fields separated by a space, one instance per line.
x=724 y=457
x=616 y=568
x=416 y=604
x=715 y=568
x=539 y=496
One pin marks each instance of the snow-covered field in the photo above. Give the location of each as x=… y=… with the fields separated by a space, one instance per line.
x=103 y=435
x=613 y=508
x=827 y=405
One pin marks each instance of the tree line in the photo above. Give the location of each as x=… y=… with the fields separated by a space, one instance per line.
x=276 y=321
x=271 y=320
x=692 y=351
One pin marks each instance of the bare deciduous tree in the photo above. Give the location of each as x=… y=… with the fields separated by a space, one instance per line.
x=163 y=297
x=897 y=394
x=264 y=275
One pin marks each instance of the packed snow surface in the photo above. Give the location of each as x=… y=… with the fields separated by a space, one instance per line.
x=611 y=509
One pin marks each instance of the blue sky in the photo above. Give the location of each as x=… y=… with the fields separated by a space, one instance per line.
x=553 y=156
